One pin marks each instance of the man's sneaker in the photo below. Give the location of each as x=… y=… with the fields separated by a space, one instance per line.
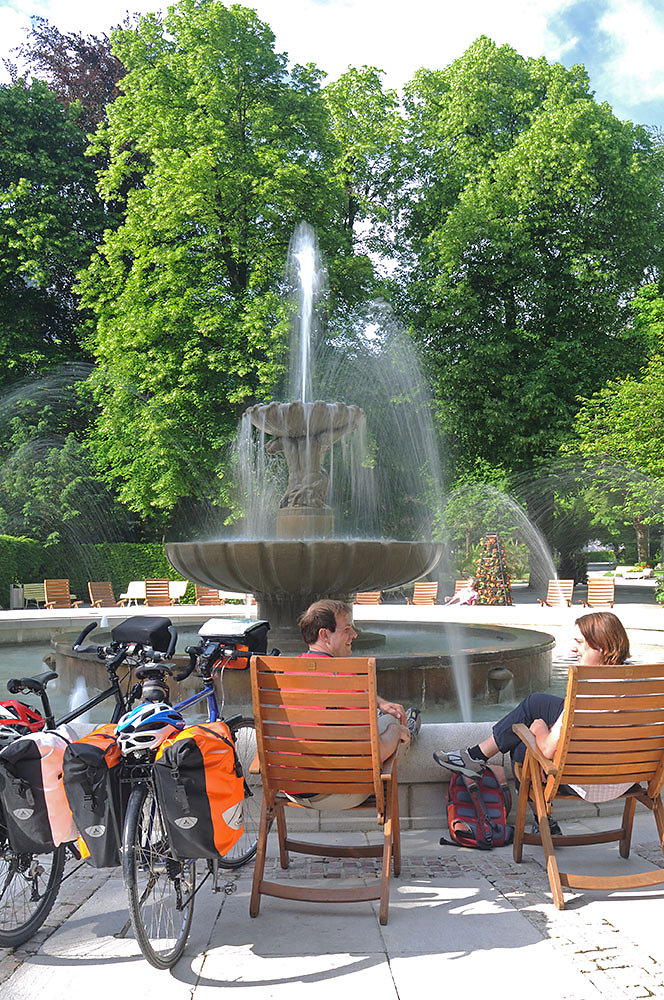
x=460 y=761
x=413 y=722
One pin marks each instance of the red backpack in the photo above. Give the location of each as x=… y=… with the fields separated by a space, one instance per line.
x=477 y=810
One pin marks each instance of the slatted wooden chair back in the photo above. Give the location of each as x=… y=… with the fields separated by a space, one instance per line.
x=33 y=592
x=612 y=733
x=460 y=585
x=559 y=594
x=101 y=594
x=317 y=733
x=425 y=592
x=206 y=596
x=601 y=592
x=56 y=594
x=157 y=593
x=368 y=597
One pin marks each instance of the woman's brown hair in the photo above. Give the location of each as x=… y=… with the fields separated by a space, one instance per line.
x=604 y=631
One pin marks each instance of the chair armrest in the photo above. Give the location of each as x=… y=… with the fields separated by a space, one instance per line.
x=527 y=737
x=387 y=766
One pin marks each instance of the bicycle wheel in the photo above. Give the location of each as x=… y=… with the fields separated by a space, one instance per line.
x=29 y=886
x=159 y=887
x=244 y=734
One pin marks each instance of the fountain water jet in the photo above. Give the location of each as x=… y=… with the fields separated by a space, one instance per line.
x=301 y=551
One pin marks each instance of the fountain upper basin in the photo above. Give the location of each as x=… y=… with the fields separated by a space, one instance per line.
x=286 y=575
x=282 y=567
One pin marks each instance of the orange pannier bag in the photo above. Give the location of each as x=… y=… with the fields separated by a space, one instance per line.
x=200 y=788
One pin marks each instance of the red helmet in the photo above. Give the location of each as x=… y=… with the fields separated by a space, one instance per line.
x=12 y=712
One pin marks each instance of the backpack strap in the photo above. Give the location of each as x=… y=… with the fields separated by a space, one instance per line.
x=501 y=778
x=484 y=826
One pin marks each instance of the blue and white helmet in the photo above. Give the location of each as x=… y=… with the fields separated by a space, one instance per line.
x=147 y=726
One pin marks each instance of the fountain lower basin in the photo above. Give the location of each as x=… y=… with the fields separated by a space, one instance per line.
x=414 y=664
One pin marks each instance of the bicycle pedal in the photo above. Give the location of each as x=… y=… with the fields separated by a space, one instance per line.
x=230 y=888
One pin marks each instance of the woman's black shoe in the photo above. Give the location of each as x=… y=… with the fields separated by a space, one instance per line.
x=553 y=827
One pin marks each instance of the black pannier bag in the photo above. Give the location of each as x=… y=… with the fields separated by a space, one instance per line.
x=145 y=630
x=92 y=783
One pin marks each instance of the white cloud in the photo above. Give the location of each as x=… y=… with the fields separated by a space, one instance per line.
x=399 y=36
x=638 y=70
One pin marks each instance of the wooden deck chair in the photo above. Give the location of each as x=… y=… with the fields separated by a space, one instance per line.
x=425 y=592
x=317 y=732
x=206 y=596
x=612 y=731
x=460 y=585
x=33 y=592
x=558 y=594
x=56 y=595
x=368 y=597
x=157 y=594
x=101 y=595
x=601 y=592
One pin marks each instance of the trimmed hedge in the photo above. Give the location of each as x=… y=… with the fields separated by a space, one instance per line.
x=23 y=560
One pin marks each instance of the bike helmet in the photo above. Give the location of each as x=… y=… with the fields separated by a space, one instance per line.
x=147 y=726
x=10 y=731
x=17 y=711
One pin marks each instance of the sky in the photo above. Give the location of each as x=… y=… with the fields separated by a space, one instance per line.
x=620 y=42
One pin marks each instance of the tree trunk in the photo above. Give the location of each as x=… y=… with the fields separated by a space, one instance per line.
x=641 y=540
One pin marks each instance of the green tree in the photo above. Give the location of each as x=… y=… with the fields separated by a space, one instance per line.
x=50 y=220
x=220 y=149
x=368 y=128
x=615 y=460
x=532 y=217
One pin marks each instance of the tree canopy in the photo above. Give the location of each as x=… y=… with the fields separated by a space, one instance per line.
x=532 y=217
x=50 y=220
x=219 y=149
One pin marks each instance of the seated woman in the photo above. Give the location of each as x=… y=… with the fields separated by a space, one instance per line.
x=602 y=640
x=468 y=595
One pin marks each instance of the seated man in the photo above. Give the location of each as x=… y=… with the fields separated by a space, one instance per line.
x=327 y=629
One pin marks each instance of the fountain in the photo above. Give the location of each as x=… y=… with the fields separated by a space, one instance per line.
x=296 y=552
x=312 y=523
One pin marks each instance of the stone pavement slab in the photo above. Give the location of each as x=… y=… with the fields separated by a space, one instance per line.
x=456 y=917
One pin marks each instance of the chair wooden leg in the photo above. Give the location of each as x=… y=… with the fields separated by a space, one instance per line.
x=261 y=850
x=659 y=819
x=282 y=833
x=387 y=864
x=521 y=811
x=627 y=822
x=547 y=844
x=396 y=829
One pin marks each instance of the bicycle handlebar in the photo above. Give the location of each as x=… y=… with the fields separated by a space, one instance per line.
x=86 y=631
x=193 y=658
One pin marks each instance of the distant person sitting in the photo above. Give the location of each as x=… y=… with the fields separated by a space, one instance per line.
x=467 y=595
